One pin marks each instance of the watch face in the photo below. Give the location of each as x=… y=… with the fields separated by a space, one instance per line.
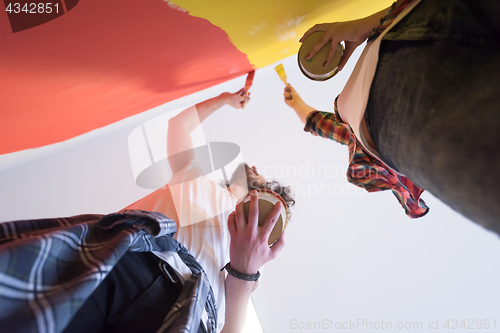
x=313 y=68
x=267 y=200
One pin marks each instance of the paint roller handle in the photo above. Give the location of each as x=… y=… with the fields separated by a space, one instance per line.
x=352 y=33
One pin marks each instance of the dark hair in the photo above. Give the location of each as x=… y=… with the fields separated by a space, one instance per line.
x=284 y=191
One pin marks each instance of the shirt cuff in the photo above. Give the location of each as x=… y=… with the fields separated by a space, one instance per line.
x=309 y=120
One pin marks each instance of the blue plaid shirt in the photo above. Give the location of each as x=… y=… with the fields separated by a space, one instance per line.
x=49 y=267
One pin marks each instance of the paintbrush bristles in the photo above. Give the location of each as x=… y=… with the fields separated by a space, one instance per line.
x=281 y=72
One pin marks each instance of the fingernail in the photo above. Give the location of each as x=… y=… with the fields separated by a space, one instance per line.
x=307 y=56
x=254 y=192
x=280 y=204
x=324 y=64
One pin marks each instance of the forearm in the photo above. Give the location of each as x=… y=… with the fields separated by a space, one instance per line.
x=206 y=108
x=302 y=110
x=237 y=295
x=367 y=24
x=191 y=118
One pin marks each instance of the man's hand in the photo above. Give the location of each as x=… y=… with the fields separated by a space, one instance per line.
x=235 y=100
x=249 y=248
x=248 y=251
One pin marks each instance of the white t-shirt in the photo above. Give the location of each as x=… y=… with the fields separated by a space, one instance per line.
x=203 y=207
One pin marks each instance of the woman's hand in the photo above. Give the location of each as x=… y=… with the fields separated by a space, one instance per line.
x=352 y=33
x=249 y=248
x=237 y=99
x=292 y=97
x=293 y=100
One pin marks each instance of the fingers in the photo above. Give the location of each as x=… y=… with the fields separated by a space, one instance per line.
x=331 y=53
x=278 y=246
x=317 y=27
x=240 y=216
x=322 y=42
x=241 y=101
x=289 y=89
x=272 y=219
x=349 y=49
x=288 y=94
x=253 y=213
x=231 y=223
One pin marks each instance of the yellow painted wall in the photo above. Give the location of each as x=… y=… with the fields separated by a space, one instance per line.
x=266 y=30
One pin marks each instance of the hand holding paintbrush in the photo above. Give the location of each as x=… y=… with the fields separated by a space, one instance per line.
x=248 y=84
x=292 y=98
x=288 y=90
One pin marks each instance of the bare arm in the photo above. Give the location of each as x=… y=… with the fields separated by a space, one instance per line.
x=180 y=127
x=249 y=250
x=237 y=296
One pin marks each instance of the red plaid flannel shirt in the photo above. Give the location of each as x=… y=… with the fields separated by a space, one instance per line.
x=364 y=170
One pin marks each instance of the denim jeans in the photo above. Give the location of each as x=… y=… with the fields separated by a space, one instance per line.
x=434 y=104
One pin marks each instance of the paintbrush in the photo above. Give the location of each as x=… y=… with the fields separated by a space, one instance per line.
x=281 y=72
x=248 y=84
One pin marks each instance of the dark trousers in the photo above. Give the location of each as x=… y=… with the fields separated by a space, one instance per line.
x=134 y=297
x=434 y=111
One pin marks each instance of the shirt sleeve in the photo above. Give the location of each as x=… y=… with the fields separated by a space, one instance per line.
x=326 y=125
